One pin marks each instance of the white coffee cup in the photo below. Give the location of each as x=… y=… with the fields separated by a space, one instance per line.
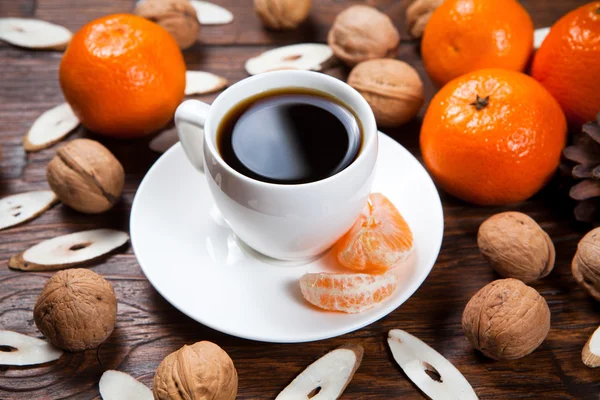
x=282 y=221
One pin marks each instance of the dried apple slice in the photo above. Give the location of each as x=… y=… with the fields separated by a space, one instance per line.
x=50 y=127
x=164 y=140
x=590 y=354
x=18 y=349
x=539 y=35
x=34 y=34
x=23 y=207
x=326 y=378
x=117 y=385
x=428 y=369
x=200 y=82
x=211 y=14
x=304 y=56
x=69 y=250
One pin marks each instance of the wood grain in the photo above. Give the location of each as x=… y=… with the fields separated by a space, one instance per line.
x=148 y=328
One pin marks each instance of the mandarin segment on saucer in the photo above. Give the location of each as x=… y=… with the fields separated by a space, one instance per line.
x=350 y=293
x=379 y=240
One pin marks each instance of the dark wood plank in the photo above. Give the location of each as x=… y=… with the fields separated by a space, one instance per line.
x=148 y=328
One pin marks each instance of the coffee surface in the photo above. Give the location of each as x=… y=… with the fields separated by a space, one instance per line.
x=288 y=137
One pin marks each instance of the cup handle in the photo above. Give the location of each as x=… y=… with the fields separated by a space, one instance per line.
x=190 y=118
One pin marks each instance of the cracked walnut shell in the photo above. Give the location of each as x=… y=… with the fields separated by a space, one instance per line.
x=282 y=14
x=202 y=371
x=516 y=246
x=178 y=17
x=586 y=263
x=76 y=310
x=392 y=88
x=506 y=319
x=361 y=33
x=418 y=14
x=86 y=176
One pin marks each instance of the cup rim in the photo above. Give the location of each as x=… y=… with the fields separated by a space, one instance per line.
x=366 y=119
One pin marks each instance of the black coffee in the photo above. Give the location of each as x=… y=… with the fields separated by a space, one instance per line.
x=289 y=136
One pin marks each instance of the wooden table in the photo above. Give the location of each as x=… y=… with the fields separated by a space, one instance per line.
x=148 y=328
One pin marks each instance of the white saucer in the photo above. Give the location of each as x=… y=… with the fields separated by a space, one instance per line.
x=196 y=263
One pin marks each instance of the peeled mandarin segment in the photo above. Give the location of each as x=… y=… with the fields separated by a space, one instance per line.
x=350 y=293
x=379 y=240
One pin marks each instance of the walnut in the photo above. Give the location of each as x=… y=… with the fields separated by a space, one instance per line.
x=202 y=371
x=392 y=88
x=86 y=176
x=516 y=246
x=282 y=14
x=506 y=319
x=76 y=310
x=178 y=17
x=586 y=263
x=418 y=14
x=361 y=33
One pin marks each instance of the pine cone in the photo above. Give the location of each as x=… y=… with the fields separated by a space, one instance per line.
x=584 y=154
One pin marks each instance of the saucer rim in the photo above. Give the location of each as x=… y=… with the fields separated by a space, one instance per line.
x=383 y=310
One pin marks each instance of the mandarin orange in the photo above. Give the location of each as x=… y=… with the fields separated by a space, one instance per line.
x=378 y=241
x=493 y=137
x=123 y=76
x=466 y=35
x=568 y=63
x=350 y=293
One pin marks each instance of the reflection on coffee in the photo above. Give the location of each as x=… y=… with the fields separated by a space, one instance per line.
x=289 y=136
